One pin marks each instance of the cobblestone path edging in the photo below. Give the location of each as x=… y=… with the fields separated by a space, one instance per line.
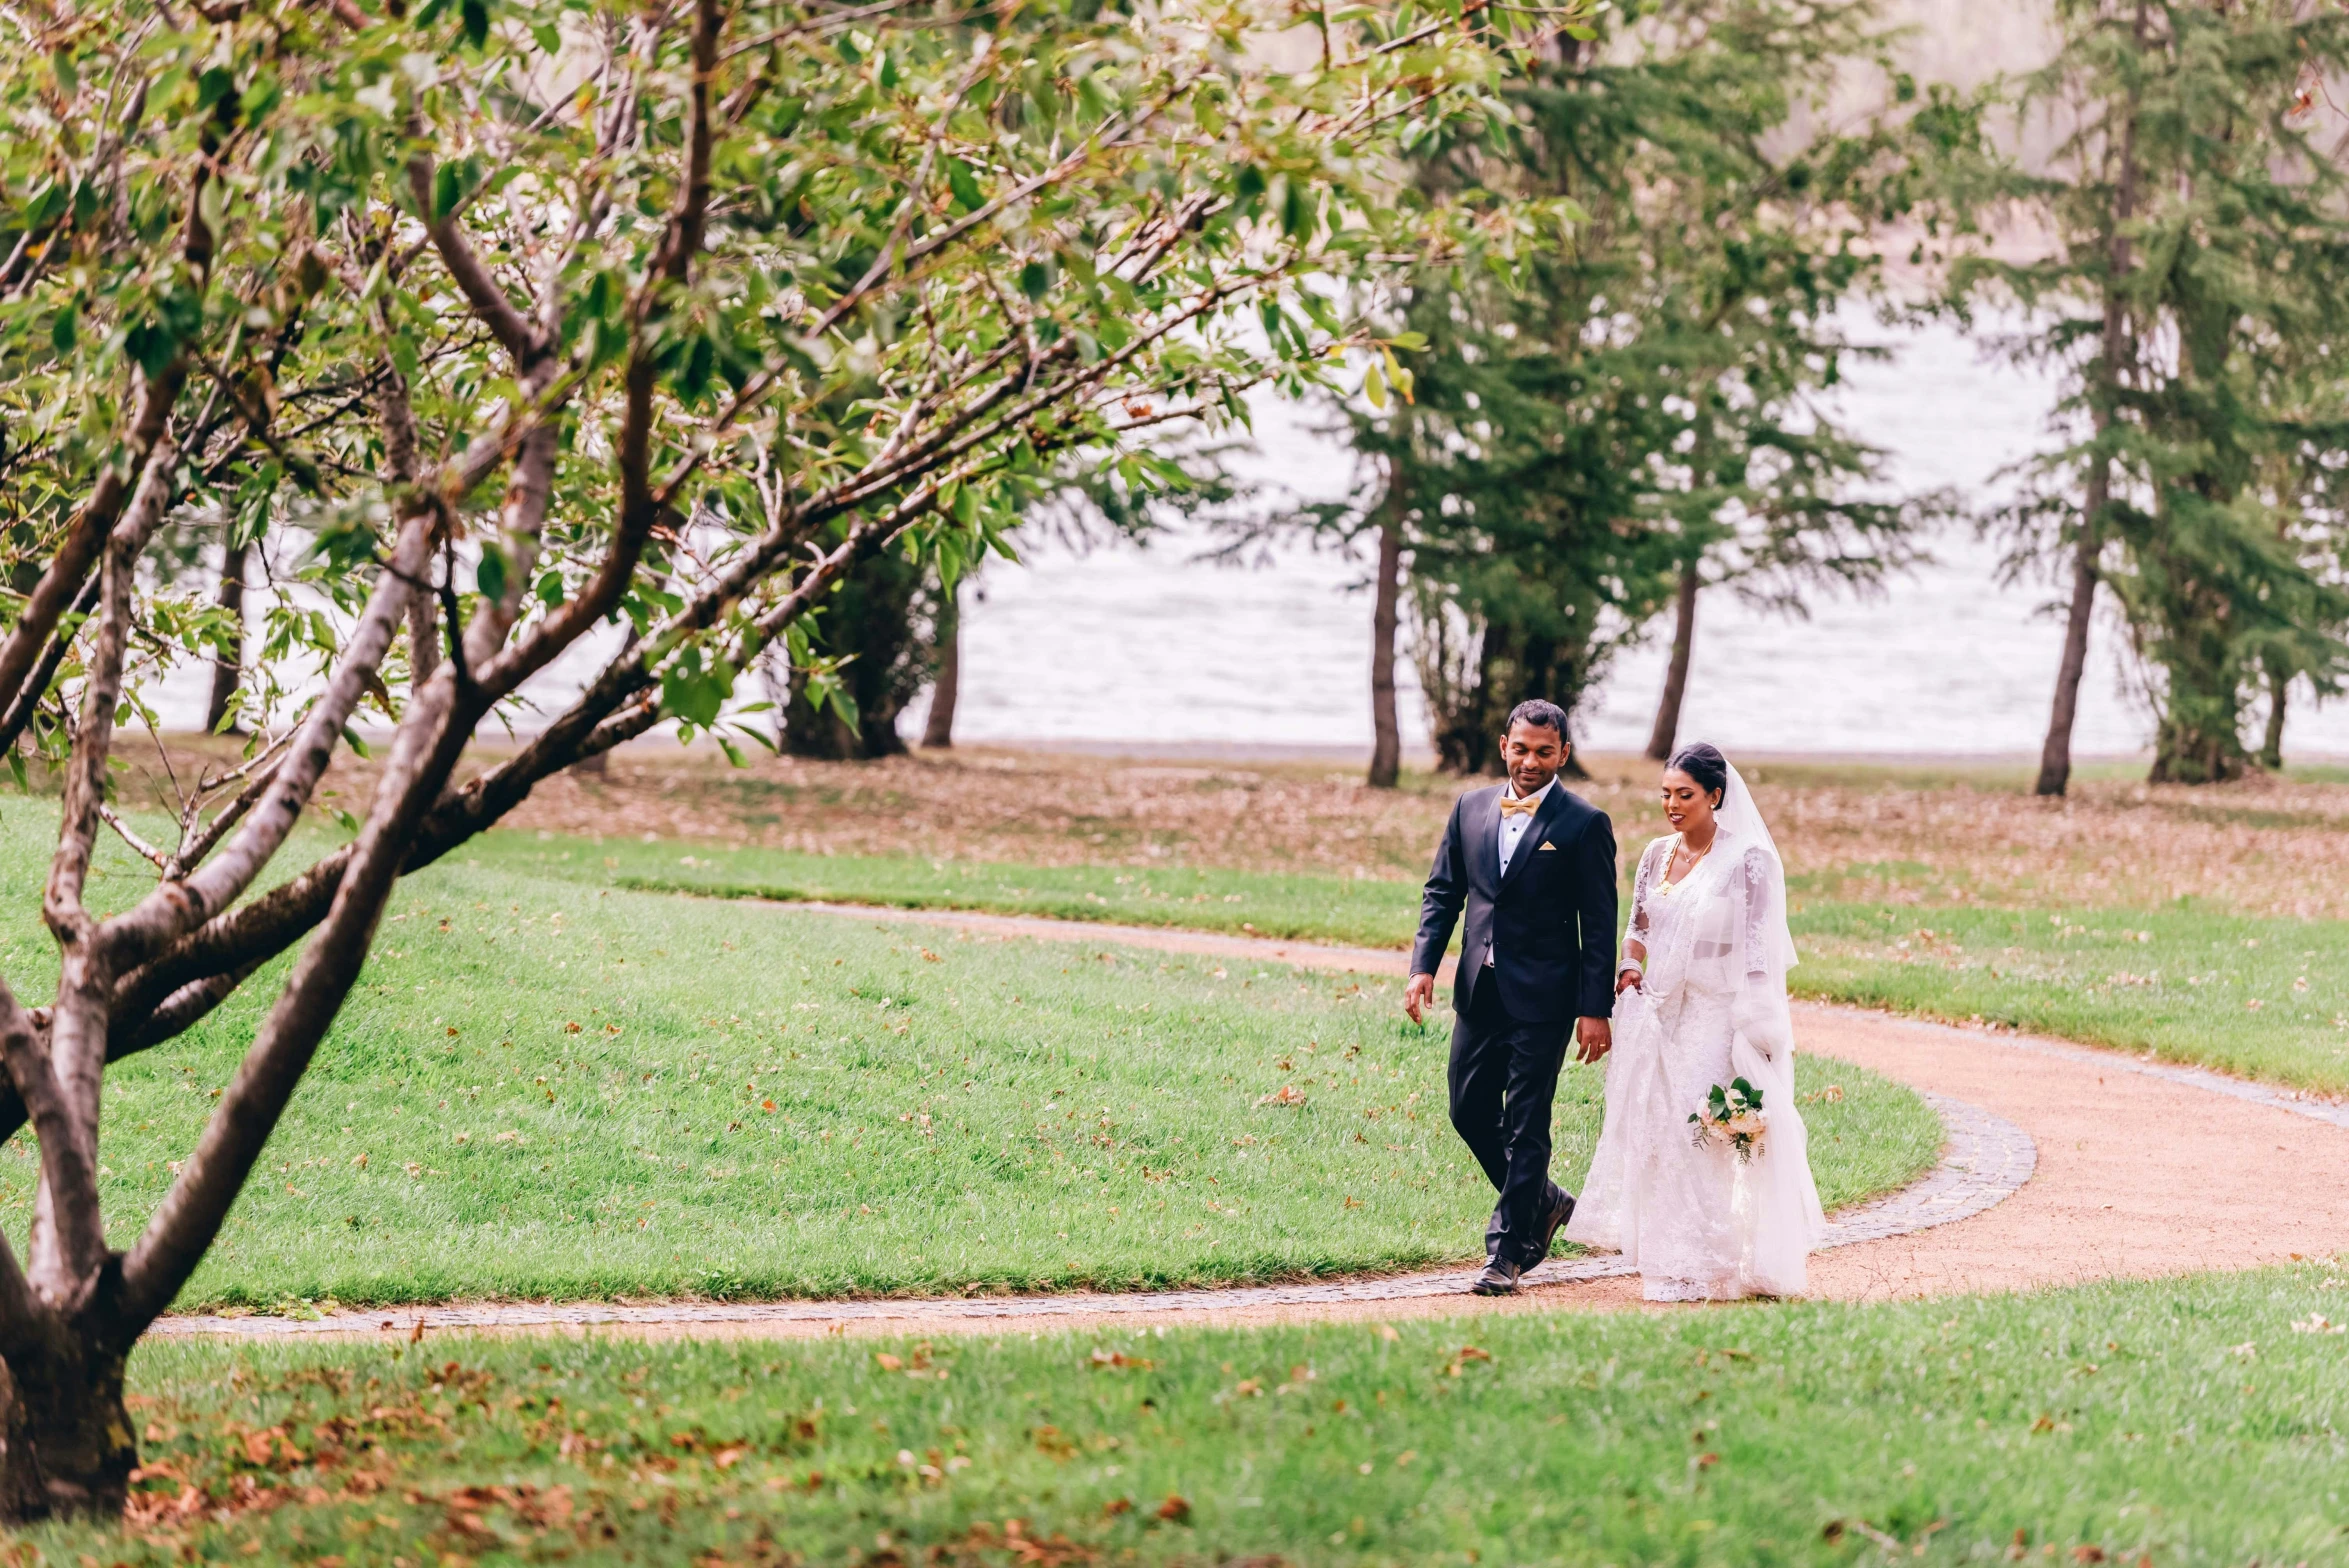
x=1984 y=1159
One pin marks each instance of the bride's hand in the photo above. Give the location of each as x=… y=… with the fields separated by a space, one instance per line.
x=1627 y=980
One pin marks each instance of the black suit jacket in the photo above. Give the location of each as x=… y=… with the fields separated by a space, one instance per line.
x=1550 y=923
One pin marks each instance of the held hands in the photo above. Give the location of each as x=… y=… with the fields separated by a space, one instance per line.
x=1593 y=1037
x=1417 y=995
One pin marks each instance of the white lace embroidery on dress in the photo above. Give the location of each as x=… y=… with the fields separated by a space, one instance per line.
x=1699 y=1225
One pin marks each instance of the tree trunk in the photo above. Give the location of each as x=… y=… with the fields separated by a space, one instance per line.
x=1573 y=768
x=812 y=732
x=1386 y=749
x=2271 y=747
x=423 y=640
x=938 y=728
x=69 y=1447
x=2199 y=738
x=1667 y=728
x=600 y=765
x=775 y=670
x=869 y=624
x=2055 y=757
x=226 y=671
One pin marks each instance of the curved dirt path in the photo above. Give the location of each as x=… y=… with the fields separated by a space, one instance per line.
x=2066 y=1164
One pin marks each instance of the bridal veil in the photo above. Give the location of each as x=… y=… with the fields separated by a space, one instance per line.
x=1712 y=1008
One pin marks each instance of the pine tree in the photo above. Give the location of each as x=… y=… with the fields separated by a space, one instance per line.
x=1639 y=418
x=2199 y=303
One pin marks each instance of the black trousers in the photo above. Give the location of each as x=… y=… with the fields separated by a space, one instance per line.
x=1504 y=1079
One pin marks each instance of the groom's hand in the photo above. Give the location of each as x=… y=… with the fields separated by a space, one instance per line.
x=1417 y=995
x=1593 y=1039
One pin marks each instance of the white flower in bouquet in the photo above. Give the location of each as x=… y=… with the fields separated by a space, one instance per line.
x=1732 y=1118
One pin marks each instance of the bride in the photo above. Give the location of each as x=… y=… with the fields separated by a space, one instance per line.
x=1701 y=1002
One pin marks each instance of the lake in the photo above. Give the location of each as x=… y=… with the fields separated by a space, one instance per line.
x=1125 y=644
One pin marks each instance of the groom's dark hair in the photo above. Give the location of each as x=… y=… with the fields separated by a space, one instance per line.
x=1704 y=763
x=1541 y=713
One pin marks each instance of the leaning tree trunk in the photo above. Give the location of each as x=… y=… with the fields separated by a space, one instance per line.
x=423 y=637
x=938 y=728
x=69 y=1447
x=2055 y=756
x=228 y=670
x=1676 y=672
x=1386 y=750
x=2271 y=745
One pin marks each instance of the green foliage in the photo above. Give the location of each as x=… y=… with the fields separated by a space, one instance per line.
x=2197 y=306
x=1647 y=399
x=941 y=254
x=2183 y=1420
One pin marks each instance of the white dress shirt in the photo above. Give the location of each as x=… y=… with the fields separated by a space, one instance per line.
x=1513 y=826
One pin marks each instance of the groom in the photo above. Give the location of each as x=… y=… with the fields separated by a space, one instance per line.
x=1534 y=867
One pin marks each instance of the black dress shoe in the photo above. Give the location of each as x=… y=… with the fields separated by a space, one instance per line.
x=1498 y=1279
x=1561 y=1210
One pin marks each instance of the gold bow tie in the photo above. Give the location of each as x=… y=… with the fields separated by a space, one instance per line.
x=1512 y=807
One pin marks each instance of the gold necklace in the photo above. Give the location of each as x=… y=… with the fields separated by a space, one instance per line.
x=1680 y=843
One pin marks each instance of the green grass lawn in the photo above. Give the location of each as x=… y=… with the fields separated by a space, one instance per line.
x=2185 y=1422
x=2262 y=998
x=544 y=1088
x=1370 y=911
x=2266 y=998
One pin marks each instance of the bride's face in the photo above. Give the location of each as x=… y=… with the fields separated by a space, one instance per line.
x=1686 y=805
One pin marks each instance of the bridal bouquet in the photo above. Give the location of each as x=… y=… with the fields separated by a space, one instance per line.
x=1732 y=1118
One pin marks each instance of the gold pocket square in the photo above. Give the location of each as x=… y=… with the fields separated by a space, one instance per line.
x=1546 y=844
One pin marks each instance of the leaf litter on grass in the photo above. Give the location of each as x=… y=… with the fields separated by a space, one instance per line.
x=1836 y=1425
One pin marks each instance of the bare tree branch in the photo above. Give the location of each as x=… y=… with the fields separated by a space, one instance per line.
x=177 y=907
x=68 y=1246
x=483 y=292
x=640 y=507
x=86 y=535
x=36 y=686
x=129 y=835
x=194 y=847
x=35 y=1081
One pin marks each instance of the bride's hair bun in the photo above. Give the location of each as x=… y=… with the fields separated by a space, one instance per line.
x=1704 y=763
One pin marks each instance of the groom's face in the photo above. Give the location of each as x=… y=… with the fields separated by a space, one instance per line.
x=1533 y=754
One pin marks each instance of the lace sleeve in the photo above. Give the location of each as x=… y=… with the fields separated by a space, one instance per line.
x=1642 y=881
x=1754 y=878
x=1759 y=1011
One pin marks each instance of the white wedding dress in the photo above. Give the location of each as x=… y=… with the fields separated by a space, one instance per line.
x=1699 y=1224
